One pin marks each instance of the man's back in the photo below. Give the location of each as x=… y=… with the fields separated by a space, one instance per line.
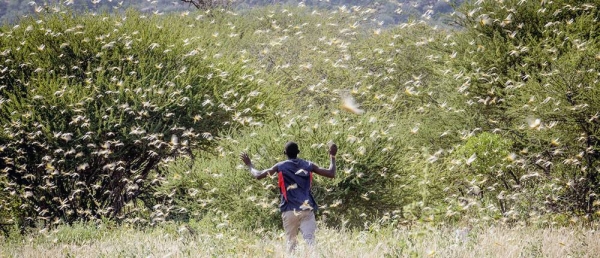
x=295 y=179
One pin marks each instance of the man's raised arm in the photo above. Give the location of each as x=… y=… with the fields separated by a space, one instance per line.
x=258 y=174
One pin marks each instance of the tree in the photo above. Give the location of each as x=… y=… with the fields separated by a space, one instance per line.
x=207 y=4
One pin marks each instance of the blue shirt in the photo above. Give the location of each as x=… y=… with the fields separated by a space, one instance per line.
x=295 y=179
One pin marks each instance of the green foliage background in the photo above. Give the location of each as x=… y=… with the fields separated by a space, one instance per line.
x=495 y=121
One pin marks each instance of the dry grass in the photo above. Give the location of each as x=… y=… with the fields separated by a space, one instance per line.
x=492 y=241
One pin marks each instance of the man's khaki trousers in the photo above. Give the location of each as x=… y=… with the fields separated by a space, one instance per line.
x=299 y=220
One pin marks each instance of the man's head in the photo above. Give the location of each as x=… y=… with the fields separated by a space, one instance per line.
x=291 y=150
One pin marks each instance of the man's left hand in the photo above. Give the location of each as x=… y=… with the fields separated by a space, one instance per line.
x=332 y=149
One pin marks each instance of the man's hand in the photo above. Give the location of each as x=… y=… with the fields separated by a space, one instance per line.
x=244 y=157
x=332 y=149
x=330 y=172
x=258 y=174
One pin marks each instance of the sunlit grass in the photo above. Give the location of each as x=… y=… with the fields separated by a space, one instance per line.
x=416 y=241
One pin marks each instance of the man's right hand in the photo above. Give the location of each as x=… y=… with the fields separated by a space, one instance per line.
x=244 y=157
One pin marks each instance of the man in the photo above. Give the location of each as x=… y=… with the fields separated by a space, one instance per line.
x=295 y=179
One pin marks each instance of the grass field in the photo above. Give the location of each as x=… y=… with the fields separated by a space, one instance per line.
x=419 y=241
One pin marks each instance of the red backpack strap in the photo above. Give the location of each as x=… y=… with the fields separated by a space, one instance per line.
x=311 y=178
x=282 y=185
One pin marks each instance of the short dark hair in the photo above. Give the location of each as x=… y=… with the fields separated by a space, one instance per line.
x=291 y=149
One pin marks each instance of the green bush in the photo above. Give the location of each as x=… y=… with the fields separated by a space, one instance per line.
x=91 y=105
x=528 y=69
x=479 y=171
x=393 y=77
x=369 y=171
x=9 y=208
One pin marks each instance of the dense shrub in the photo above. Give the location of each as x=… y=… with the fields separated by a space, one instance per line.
x=530 y=71
x=380 y=163
x=369 y=171
x=91 y=105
